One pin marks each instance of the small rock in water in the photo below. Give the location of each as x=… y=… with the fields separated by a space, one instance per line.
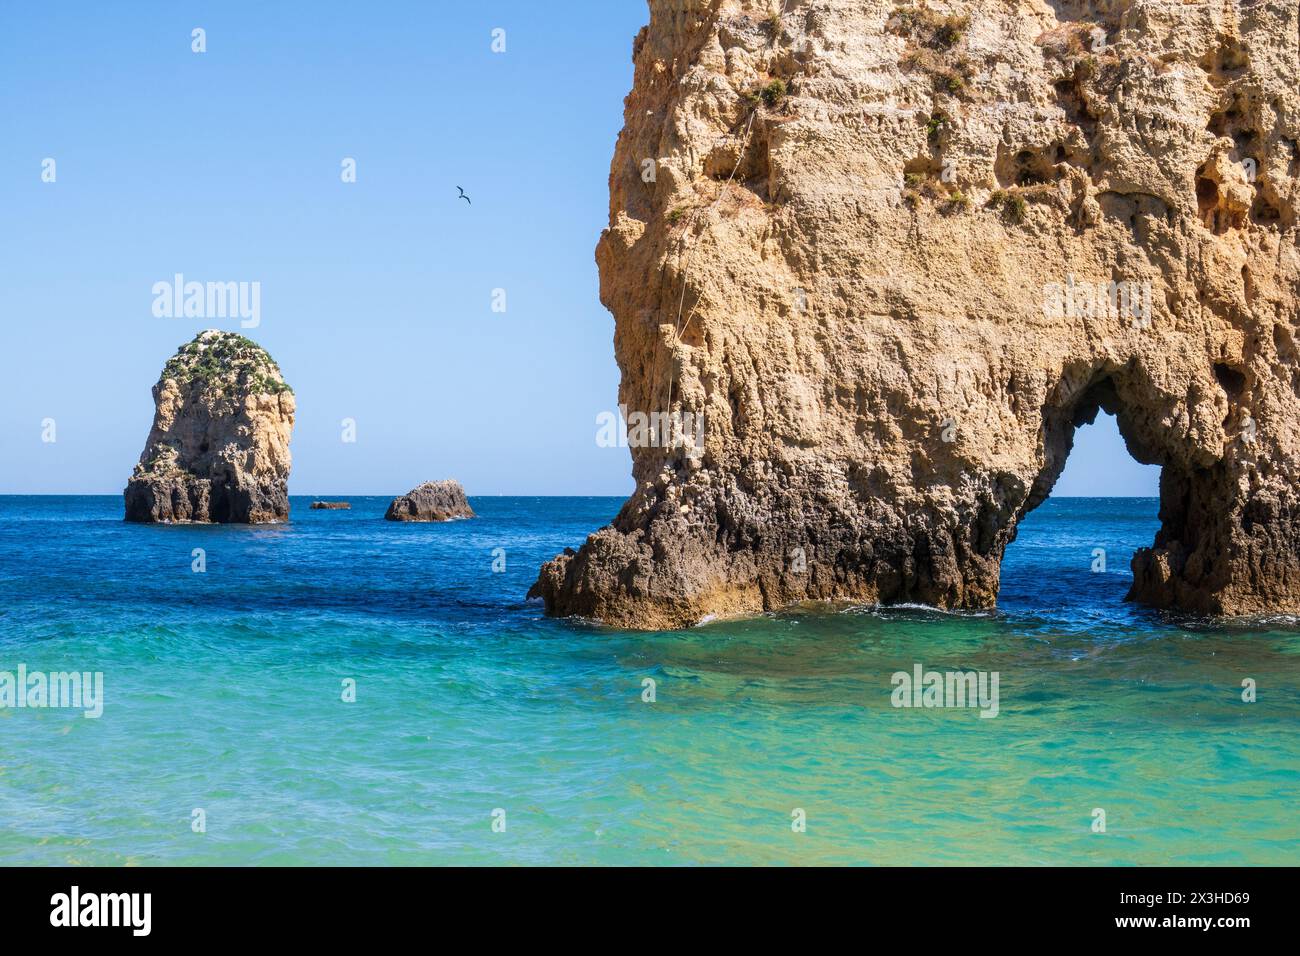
x=431 y=501
x=331 y=506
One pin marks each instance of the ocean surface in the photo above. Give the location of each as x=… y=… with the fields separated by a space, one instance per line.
x=223 y=693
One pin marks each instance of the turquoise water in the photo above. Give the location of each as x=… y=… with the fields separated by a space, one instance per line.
x=223 y=692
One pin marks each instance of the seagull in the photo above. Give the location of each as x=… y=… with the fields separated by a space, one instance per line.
x=463 y=196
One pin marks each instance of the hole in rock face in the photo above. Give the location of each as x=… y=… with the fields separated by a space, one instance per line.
x=1284 y=343
x=1079 y=543
x=1071 y=98
x=203 y=449
x=1029 y=167
x=1214 y=212
x=923 y=175
x=922 y=166
x=741 y=161
x=1227 y=62
x=1264 y=212
x=1232 y=380
x=1207 y=195
x=220 y=507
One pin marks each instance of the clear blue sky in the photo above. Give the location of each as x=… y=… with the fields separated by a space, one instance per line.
x=375 y=296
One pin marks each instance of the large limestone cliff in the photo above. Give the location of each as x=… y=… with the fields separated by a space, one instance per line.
x=895 y=254
x=219 y=447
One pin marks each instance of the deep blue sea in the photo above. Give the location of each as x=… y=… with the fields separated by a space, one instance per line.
x=225 y=737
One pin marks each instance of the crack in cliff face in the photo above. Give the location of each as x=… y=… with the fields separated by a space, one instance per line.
x=915 y=291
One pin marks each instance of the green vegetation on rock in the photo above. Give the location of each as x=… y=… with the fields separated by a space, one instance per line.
x=226 y=360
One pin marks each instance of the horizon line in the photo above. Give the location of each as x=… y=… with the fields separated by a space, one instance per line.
x=118 y=494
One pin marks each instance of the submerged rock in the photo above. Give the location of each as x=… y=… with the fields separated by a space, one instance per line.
x=219 y=447
x=893 y=258
x=331 y=506
x=431 y=501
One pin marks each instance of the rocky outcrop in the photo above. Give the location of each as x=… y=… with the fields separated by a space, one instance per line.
x=331 y=506
x=431 y=501
x=219 y=447
x=894 y=255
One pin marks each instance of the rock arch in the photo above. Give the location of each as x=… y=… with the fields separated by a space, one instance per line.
x=1190 y=564
x=891 y=376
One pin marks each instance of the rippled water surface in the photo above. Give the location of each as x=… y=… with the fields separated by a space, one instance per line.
x=223 y=692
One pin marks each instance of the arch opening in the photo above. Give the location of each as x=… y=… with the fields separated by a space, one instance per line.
x=1095 y=504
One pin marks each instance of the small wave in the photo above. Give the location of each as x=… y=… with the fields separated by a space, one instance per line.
x=883 y=610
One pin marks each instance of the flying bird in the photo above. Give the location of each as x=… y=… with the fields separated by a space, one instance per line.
x=463 y=196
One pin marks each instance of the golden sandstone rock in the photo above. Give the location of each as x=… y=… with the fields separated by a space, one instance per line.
x=897 y=281
x=219 y=447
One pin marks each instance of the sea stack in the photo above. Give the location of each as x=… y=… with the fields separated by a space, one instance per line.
x=218 y=451
x=893 y=257
x=431 y=501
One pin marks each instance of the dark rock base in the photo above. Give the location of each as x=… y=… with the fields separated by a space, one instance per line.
x=184 y=498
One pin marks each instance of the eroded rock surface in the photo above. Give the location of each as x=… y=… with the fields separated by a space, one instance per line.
x=895 y=254
x=431 y=501
x=219 y=447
